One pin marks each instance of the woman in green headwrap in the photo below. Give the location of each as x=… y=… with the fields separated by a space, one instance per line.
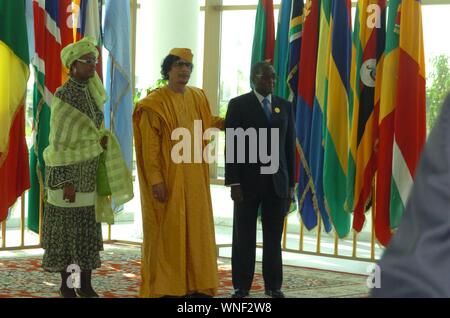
x=74 y=206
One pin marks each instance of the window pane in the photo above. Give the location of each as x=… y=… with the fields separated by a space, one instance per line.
x=237 y=41
x=435 y=20
x=244 y=2
x=143 y=76
x=437 y=53
x=236 y=52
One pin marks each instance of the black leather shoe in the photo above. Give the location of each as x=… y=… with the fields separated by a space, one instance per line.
x=67 y=293
x=275 y=293
x=86 y=294
x=239 y=293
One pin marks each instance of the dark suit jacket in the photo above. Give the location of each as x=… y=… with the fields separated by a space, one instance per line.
x=246 y=112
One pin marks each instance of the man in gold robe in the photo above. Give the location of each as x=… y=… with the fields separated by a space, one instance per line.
x=179 y=252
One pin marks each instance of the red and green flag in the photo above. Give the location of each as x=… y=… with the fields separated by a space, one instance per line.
x=402 y=114
x=264 y=36
x=14 y=73
x=388 y=100
x=410 y=118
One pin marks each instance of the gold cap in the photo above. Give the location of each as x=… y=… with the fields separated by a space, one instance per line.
x=185 y=54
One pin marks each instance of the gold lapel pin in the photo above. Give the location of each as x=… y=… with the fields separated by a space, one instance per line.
x=277 y=110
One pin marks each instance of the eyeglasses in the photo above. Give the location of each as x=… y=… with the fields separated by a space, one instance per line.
x=89 y=62
x=180 y=64
x=267 y=78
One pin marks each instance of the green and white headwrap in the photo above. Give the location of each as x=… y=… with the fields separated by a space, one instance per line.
x=73 y=52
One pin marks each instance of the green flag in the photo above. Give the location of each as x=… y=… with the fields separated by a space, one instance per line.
x=264 y=36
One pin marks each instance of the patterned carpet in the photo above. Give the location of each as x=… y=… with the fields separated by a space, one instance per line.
x=21 y=276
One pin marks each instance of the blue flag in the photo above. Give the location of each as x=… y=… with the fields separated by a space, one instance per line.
x=119 y=107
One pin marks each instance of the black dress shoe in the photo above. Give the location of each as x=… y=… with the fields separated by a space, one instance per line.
x=239 y=293
x=67 y=293
x=86 y=293
x=275 y=293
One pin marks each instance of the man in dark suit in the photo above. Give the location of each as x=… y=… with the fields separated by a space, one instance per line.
x=260 y=171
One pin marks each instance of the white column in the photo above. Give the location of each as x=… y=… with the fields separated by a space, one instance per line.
x=161 y=26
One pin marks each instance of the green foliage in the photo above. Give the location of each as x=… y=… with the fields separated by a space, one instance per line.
x=223 y=109
x=438 y=86
x=139 y=92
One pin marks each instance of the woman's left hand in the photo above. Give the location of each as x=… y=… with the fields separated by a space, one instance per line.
x=104 y=142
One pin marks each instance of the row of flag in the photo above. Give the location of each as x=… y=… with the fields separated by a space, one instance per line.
x=35 y=31
x=359 y=98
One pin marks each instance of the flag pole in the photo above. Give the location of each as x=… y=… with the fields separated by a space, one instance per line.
x=373 y=211
x=4 y=234
x=22 y=220
x=41 y=212
x=319 y=230
x=302 y=226
x=336 y=244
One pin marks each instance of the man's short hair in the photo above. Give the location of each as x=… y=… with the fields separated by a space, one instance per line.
x=257 y=69
x=167 y=65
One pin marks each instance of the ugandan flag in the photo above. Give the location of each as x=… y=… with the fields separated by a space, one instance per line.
x=336 y=116
x=369 y=43
x=410 y=113
x=264 y=36
x=14 y=73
